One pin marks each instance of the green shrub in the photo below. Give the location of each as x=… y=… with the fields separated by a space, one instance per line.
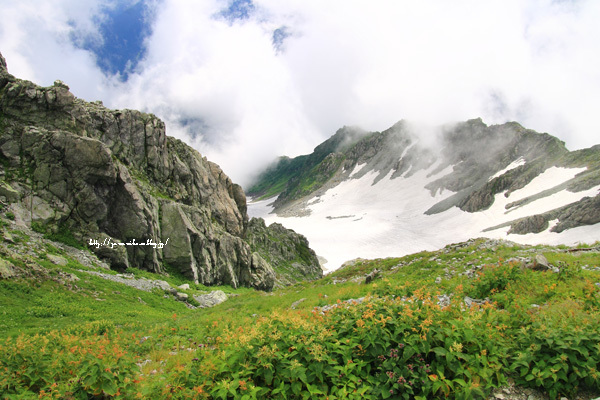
x=560 y=353
x=494 y=279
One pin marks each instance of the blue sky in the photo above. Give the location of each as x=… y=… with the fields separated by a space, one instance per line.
x=123 y=29
x=245 y=81
x=124 y=26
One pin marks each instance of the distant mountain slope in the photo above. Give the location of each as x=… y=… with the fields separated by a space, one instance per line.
x=508 y=178
x=78 y=170
x=293 y=178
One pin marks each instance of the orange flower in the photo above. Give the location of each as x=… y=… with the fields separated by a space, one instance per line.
x=198 y=389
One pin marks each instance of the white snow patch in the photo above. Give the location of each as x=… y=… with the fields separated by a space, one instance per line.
x=517 y=163
x=356 y=169
x=548 y=179
x=260 y=208
x=390 y=221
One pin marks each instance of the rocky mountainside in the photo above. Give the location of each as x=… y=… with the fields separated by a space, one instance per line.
x=79 y=170
x=499 y=178
x=290 y=252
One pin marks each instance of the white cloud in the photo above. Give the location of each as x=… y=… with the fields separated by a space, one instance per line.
x=344 y=63
x=35 y=40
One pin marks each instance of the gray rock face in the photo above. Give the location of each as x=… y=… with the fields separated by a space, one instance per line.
x=115 y=176
x=533 y=224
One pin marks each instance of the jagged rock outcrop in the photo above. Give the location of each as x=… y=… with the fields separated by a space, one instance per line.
x=78 y=168
x=288 y=252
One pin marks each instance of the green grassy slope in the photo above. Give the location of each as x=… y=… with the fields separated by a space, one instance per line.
x=296 y=177
x=455 y=323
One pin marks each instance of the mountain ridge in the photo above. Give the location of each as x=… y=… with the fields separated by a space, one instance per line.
x=478 y=171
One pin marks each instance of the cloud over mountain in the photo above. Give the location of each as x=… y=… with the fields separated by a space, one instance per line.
x=244 y=81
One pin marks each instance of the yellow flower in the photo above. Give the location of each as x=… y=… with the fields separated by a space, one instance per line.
x=383 y=320
x=456 y=347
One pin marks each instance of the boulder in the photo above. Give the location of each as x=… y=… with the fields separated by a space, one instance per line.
x=371 y=276
x=540 y=263
x=164 y=285
x=211 y=299
x=181 y=296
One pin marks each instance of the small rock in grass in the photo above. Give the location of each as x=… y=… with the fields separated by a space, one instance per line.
x=6 y=269
x=296 y=303
x=181 y=296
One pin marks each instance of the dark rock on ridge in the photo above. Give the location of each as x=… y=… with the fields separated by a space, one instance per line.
x=580 y=213
x=115 y=176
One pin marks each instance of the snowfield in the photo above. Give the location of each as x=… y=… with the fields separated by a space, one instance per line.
x=358 y=219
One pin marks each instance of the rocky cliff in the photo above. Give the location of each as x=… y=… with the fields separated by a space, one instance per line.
x=289 y=253
x=114 y=176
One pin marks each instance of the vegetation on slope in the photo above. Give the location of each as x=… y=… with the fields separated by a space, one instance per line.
x=455 y=323
x=299 y=176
